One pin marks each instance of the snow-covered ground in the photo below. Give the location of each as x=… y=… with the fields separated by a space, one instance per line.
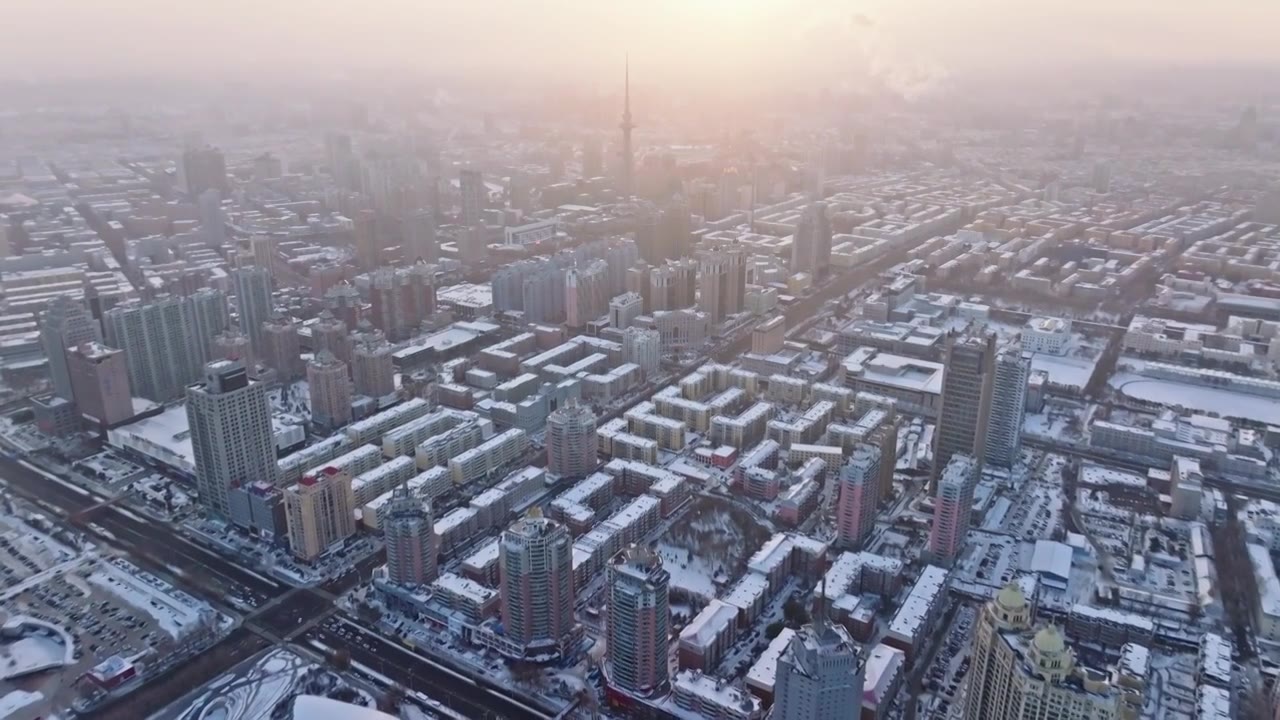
x=15 y=700
x=1069 y=371
x=263 y=688
x=1225 y=403
x=688 y=573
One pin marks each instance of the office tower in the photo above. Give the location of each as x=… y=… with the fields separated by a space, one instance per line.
x=233 y=345
x=639 y=621
x=410 y=539
x=858 y=496
x=372 y=369
x=232 y=442
x=819 y=675
x=420 y=241
x=320 y=512
x=966 y=399
x=330 y=333
x=618 y=255
x=263 y=249
x=65 y=324
x=281 y=350
x=811 y=244
x=586 y=293
x=643 y=347
x=473 y=191
x=684 y=283
x=535 y=563
x=627 y=126
x=253 y=302
x=417 y=293
x=713 y=281
x=213 y=223
x=1008 y=407
x=638 y=282
x=159 y=344
x=209 y=317
x=100 y=381
x=1019 y=673
x=365 y=236
x=592 y=158
x=571 y=440
x=952 y=509
x=330 y=388
x=624 y=309
x=662 y=288
x=202 y=169
x=343 y=300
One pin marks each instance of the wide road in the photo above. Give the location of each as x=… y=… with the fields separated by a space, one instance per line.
x=157 y=547
x=466 y=695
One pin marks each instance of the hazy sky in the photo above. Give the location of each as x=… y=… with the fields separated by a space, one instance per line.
x=912 y=43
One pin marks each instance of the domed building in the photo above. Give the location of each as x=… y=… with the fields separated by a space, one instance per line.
x=1022 y=672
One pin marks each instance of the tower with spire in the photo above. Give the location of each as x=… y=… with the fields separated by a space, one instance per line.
x=626 y=126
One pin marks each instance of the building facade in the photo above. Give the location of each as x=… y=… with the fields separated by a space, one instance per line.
x=536 y=571
x=231 y=435
x=639 y=621
x=330 y=390
x=410 y=539
x=320 y=512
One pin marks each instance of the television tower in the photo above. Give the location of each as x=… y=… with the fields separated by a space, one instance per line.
x=627 y=126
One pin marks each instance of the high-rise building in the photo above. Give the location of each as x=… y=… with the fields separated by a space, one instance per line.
x=330 y=333
x=662 y=288
x=330 y=388
x=684 y=283
x=210 y=317
x=253 y=302
x=263 y=249
x=637 y=281
x=232 y=442
x=675 y=231
x=571 y=440
x=858 y=496
x=768 y=337
x=627 y=126
x=233 y=345
x=586 y=293
x=343 y=300
x=811 y=244
x=320 y=512
x=213 y=222
x=202 y=169
x=159 y=343
x=643 y=347
x=1019 y=673
x=535 y=564
x=966 y=399
x=281 y=349
x=372 y=369
x=365 y=236
x=65 y=324
x=1008 y=407
x=819 y=675
x=473 y=191
x=410 y=539
x=420 y=241
x=722 y=281
x=343 y=166
x=100 y=380
x=639 y=621
x=624 y=309
x=952 y=509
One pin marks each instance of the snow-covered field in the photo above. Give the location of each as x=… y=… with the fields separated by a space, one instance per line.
x=1195 y=397
x=710 y=545
x=263 y=689
x=1067 y=371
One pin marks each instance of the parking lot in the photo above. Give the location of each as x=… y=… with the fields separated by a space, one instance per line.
x=945 y=677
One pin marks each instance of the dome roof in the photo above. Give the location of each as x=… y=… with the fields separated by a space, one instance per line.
x=1049 y=641
x=1010 y=597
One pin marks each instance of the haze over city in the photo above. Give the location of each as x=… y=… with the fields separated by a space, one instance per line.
x=700 y=359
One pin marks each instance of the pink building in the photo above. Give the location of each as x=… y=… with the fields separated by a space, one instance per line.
x=536 y=568
x=100 y=382
x=859 y=492
x=330 y=390
x=639 y=621
x=952 y=508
